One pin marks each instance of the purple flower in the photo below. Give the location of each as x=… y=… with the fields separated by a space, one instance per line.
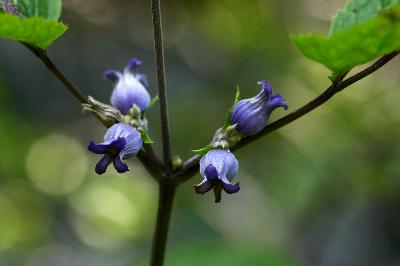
x=251 y=115
x=218 y=167
x=130 y=87
x=120 y=142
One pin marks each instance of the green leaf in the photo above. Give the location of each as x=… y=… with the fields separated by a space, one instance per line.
x=153 y=101
x=49 y=9
x=356 y=45
x=359 y=11
x=229 y=112
x=145 y=137
x=36 y=31
x=203 y=151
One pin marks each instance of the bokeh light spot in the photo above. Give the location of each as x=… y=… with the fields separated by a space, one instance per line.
x=110 y=211
x=56 y=164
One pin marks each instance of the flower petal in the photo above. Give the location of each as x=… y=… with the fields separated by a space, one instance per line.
x=119 y=165
x=211 y=172
x=102 y=165
x=133 y=64
x=98 y=148
x=230 y=188
x=203 y=187
x=277 y=101
x=112 y=75
x=118 y=144
x=266 y=88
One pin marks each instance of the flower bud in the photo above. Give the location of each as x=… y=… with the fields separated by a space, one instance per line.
x=106 y=113
x=218 y=167
x=130 y=87
x=121 y=141
x=251 y=115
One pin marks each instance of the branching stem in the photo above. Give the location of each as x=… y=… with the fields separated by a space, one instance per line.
x=148 y=158
x=167 y=179
x=190 y=167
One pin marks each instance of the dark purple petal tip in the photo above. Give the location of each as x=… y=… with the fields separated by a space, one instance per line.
x=211 y=172
x=265 y=86
x=133 y=64
x=119 y=165
x=277 y=101
x=112 y=75
x=230 y=188
x=97 y=148
x=118 y=144
x=101 y=166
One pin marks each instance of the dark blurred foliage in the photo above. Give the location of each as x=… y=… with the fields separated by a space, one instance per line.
x=321 y=191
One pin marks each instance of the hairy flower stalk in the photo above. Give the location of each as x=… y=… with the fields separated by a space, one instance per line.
x=218 y=167
x=121 y=141
x=130 y=87
x=251 y=115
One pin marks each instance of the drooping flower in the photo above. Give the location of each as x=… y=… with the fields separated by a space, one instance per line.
x=130 y=87
x=121 y=141
x=218 y=167
x=251 y=115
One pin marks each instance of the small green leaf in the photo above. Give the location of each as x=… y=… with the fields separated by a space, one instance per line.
x=359 y=11
x=153 y=101
x=49 y=9
x=237 y=95
x=356 y=45
x=145 y=137
x=36 y=31
x=229 y=112
x=203 y=151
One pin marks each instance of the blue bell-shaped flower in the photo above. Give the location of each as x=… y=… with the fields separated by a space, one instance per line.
x=251 y=115
x=121 y=141
x=218 y=167
x=130 y=87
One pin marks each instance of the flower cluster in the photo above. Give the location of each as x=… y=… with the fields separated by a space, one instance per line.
x=249 y=116
x=218 y=166
x=121 y=140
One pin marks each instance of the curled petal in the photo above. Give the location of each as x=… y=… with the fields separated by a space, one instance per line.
x=266 y=88
x=211 y=172
x=119 y=165
x=118 y=144
x=230 y=188
x=98 y=148
x=133 y=64
x=102 y=165
x=277 y=101
x=203 y=187
x=112 y=75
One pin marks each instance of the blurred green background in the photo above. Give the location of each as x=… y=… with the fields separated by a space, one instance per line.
x=322 y=191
